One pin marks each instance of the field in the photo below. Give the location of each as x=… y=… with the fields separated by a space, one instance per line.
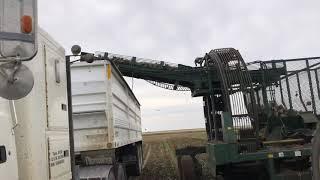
x=159 y=152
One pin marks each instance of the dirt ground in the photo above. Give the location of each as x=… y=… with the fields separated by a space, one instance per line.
x=159 y=153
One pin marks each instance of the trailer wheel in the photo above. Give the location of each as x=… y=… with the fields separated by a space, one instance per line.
x=135 y=169
x=121 y=173
x=186 y=168
x=316 y=155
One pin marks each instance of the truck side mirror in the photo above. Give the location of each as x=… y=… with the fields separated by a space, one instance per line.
x=18 y=29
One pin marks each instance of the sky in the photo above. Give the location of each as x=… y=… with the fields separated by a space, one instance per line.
x=178 y=31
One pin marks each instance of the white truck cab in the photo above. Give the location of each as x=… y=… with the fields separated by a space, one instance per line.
x=34 y=129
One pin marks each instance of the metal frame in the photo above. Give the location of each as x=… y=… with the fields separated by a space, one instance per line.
x=71 y=136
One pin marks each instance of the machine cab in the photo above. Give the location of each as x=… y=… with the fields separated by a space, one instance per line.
x=18 y=27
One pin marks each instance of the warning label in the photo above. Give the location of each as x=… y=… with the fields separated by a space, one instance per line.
x=56 y=158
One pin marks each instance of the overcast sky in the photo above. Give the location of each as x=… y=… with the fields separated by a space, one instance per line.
x=178 y=31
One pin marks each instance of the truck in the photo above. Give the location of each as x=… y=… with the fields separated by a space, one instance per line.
x=37 y=134
x=106 y=121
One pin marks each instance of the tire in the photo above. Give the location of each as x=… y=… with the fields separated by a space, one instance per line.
x=186 y=168
x=120 y=172
x=316 y=155
x=135 y=169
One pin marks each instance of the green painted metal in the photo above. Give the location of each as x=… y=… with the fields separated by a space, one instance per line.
x=195 y=78
x=225 y=153
x=222 y=154
x=229 y=135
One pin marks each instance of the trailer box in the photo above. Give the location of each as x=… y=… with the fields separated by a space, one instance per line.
x=106 y=113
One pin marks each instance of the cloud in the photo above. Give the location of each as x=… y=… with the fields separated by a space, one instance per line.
x=178 y=31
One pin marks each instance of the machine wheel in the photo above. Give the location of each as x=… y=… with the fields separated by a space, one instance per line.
x=316 y=155
x=121 y=173
x=186 y=168
x=135 y=169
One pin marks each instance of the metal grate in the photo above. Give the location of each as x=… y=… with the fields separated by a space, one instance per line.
x=298 y=89
x=238 y=95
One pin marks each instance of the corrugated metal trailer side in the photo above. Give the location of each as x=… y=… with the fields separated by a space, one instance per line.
x=106 y=114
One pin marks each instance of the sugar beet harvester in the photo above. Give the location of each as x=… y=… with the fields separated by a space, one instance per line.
x=260 y=117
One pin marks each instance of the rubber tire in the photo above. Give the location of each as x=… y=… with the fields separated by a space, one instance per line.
x=187 y=169
x=316 y=155
x=121 y=173
x=135 y=169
